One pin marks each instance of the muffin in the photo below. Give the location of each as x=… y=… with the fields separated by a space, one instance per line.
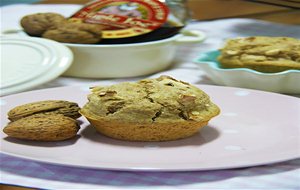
x=149 y=110
x=261 y=53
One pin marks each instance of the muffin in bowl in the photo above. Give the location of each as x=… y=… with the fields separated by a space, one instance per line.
x=261 y=53
x=158 y=109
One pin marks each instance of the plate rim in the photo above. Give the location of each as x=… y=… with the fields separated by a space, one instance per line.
x=197 y=85
x=150 y=169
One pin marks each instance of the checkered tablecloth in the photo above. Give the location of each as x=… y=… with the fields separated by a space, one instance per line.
x=285 y=175
x=17 y=171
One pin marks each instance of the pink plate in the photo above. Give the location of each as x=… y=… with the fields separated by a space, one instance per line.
x=254 y=128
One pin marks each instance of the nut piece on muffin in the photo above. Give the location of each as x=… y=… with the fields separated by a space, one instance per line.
x=149 y=110
x=261 y=53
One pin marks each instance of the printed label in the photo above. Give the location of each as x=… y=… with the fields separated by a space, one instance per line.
x=124 y=18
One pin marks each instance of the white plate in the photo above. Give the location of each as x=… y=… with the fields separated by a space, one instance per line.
x=254 y=128
x=28 y=62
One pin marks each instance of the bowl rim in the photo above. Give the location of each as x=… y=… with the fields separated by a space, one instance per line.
x=138 y=44
x=178 y=39
x=215 y=65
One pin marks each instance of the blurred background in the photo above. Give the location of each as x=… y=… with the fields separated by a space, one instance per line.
x=280 y=11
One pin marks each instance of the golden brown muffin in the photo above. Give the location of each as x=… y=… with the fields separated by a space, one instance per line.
x=149 y=110
x=46 y=107
x=261 y=53
x=40 y=127
x=37 y=24
x=81 y=33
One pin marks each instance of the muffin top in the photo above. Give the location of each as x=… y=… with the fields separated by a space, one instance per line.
x=262 y=53
x=264 y=46
x=161 y=100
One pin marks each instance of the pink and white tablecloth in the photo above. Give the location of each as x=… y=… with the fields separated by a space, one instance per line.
x=28 y=173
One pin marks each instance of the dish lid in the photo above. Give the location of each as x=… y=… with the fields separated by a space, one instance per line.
x=27 y=62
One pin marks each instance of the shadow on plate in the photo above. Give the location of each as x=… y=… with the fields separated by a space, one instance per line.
x=67 y=142
x=205 y=135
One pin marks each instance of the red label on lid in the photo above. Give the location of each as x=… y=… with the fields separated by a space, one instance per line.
x=124 y=18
